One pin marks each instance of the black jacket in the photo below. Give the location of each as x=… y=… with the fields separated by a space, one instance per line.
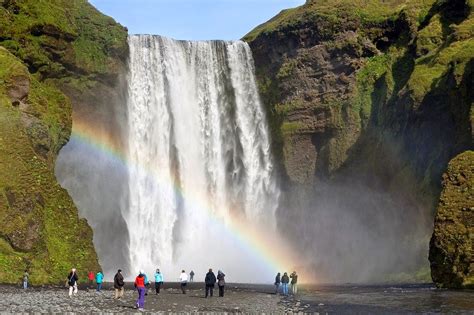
x=210 y=279
x=285 y=279
x=277 y=279
x=118 y=281
x=72 y=278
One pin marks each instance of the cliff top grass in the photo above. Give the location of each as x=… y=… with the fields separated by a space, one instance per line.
x=23 y=16
x=334 y=11
x=59 y=37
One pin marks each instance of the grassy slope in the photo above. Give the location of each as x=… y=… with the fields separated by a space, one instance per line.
x=50 y=42
x=368 y=11
x=432 y=67
x=36 y=215
x=82 y=41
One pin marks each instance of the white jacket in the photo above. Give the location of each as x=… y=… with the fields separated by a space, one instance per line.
x=183 y=277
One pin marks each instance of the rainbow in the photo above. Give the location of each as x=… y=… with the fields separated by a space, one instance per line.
x=262 y=245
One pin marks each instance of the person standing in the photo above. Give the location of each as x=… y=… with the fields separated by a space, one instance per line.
x=294 y=283
x=118 y=284
x=91 y=277
x=140 y=286
x=191 y=275
x=72 y=279
x=158 y=280
x=26 y=277
x=147 y=284
x=99 y=277
x=183 y=278
x=221 y=282
x=277 y=283
x=210 y=281
x=284 y=283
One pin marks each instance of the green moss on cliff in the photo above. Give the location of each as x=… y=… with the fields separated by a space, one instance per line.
x=374 y=69
x=62 y=37
x=430 y=68
x=101 y=40
x=56 y=43
x=40 y=229
x=451 y=244
x=288 y=128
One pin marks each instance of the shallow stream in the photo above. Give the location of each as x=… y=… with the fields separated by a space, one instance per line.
x=386 y=299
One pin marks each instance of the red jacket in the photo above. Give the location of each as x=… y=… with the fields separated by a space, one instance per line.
x=140 y=281
x=91 y=276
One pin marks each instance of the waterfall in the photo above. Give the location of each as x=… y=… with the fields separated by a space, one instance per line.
x=199 y=156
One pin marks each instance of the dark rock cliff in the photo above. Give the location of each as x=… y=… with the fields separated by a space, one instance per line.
x=57 y=56
x=367 y=101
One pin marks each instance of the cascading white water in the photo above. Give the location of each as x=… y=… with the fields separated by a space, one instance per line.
x=200 y=156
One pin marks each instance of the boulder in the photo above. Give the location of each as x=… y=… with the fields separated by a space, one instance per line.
x=452 y=262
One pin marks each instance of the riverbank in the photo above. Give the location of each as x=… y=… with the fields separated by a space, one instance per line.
x=244 y=298
x=238 y=299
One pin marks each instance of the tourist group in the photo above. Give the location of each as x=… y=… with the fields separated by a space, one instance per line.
x=142 y=283
x=283 y=281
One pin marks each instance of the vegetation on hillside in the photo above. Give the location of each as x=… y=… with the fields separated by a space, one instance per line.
x=61 y=37
x=47 y=44
x=40 y=228
x=451 y=244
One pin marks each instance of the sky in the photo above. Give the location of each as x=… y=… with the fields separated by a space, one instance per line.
x=193 y=19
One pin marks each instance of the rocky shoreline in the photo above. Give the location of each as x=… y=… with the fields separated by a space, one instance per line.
x=238 y=299
x=244 y=299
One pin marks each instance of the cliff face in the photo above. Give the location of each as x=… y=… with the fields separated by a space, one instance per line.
x=56 y=56
x=452 y=263
x=369 y=96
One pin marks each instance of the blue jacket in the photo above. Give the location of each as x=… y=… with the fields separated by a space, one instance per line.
x=146 y=280
x=99 y=277
x=158 y=277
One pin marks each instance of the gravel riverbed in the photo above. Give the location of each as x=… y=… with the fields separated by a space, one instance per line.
x=245 y=298
x=238 y=299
